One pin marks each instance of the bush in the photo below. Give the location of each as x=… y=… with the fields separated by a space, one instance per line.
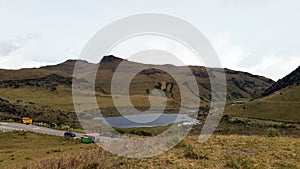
x=192 y=153
x=56 y=150
x=272 y=132
x=237 y=163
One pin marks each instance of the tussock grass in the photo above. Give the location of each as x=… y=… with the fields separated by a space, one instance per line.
x=219 y=151
x=19 y=147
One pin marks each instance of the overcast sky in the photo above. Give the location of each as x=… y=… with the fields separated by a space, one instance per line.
x=258 y=36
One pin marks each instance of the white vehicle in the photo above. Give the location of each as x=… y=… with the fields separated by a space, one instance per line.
x=189 y=123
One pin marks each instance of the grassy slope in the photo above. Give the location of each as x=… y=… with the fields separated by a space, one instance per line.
x=240 y=84
x=60 y=102
x=51 y=107
x=218 y=152
x=19 y=147
x=61 y=99
x=283 y=105
x=27 y=74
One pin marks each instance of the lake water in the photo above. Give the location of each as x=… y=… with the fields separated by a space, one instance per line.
x=142 y=120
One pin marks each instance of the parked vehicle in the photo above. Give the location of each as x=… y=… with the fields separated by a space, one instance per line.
x=26 y=120
x=92 y=136
x=87 y=139
x=69 y=134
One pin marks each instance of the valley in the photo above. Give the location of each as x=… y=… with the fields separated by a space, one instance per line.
x=260 y=127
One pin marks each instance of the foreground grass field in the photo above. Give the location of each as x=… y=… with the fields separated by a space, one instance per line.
x=19 y=147
x=29 y=150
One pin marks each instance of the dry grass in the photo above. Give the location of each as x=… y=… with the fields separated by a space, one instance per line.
x=62 y=99
x=21 y=147
x=218 y=152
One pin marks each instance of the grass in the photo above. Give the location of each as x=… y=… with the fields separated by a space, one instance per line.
x=248 y=127
x=230 y=126
x=238 y=143
x=62 y=100
x=283 y=105
x=27 y=74
x=57 y=107
x=260 y=145
x=19 y=147
x=143 y=131
x=220 y=151
x=266 y=110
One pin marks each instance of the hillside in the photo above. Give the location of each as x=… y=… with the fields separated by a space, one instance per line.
x=46 y=95
x=289 y=80
x=241 y=85
x=281 y=103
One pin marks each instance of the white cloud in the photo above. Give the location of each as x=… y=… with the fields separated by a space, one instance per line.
x=31 y=51
x=244 y=2
x=6 y=47
x=23 y=52
x=276 y=67
x=178 y=54
x=232 y=56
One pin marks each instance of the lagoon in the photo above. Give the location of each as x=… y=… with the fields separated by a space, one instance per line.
x=142 y=120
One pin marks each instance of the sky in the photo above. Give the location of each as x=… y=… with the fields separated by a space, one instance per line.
x=258 y=36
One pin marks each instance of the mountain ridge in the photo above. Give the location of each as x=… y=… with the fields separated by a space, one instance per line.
x=290 y=79
x=241 y=85
x=280 y=102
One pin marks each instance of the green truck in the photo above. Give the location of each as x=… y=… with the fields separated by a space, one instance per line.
x=87 y=139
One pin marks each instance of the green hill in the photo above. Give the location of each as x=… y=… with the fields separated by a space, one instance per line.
x=282 y=104
x=289 y=80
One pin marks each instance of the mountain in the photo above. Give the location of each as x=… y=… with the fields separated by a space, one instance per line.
x=289 y=80
x=47 y=91
x=241 y=85
x=280 y=102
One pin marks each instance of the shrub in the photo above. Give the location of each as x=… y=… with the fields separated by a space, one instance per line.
x=231 y=163
x=272 y=132
x=192 y=153
x=236 y=163
x=56 y=150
